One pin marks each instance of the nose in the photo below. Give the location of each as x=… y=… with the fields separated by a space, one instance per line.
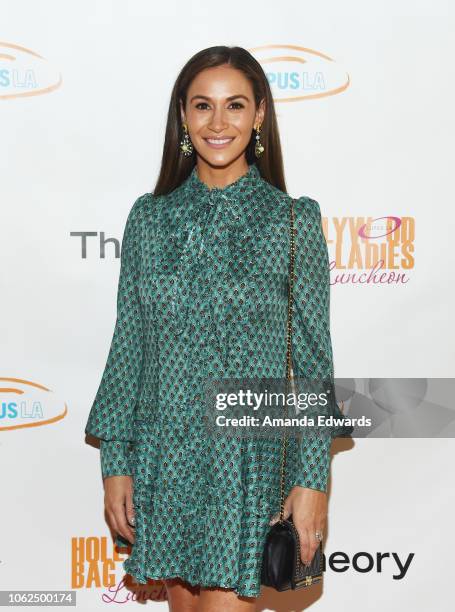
x=218 y=120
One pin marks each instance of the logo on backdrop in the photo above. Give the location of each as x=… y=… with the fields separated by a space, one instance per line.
x=298 y=73
x=94 y=565
x=28 y=404
x=24 y=72
x=370 y=250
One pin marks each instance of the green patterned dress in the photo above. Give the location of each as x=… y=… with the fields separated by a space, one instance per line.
x=203 y=293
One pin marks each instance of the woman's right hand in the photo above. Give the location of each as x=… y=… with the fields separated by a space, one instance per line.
x=118 y=503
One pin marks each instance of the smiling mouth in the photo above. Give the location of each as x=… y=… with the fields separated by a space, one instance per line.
x=218 y=142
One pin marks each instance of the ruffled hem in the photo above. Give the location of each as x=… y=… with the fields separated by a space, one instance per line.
x=142 y=578
x=211 y=544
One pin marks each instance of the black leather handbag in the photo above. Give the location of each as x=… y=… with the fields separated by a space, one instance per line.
x=282 y=567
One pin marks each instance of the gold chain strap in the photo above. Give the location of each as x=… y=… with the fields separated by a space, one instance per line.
x=288 y=348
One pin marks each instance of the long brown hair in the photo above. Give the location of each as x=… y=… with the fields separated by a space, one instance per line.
x=175 y=167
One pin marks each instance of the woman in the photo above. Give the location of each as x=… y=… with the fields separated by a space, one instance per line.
x=203 y=294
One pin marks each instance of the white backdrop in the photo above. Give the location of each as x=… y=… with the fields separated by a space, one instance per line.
x=368 y=132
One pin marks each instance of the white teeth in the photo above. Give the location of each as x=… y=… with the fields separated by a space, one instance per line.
x=218 y=141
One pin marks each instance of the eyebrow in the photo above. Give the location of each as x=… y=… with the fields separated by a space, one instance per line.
x=228 y=98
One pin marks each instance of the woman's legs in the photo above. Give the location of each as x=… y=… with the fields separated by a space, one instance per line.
x=186 y=598
x=181 y=595
x=214 y=599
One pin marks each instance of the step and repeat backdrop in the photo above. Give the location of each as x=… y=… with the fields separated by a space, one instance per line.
x=364 y=95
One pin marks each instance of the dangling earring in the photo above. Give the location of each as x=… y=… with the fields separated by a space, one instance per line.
x=259 y=148
x=186 y=145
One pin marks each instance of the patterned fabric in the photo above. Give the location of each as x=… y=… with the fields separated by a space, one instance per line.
x=203 y=294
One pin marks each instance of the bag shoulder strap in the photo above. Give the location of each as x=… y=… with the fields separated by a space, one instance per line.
x=291 y=280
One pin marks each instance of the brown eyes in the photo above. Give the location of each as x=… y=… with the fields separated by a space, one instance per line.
x=235 y=104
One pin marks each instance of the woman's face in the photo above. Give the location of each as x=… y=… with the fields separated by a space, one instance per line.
x=220 y=113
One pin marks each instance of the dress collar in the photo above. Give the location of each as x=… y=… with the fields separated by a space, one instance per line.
x=240 y=187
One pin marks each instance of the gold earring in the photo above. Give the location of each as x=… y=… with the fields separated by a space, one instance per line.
x=186 y=145
x=259 y=148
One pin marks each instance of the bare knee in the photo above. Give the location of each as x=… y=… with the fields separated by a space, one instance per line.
x=182 y=596
x=214 y=599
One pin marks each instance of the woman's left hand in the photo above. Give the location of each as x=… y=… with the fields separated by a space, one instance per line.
x=309 y=514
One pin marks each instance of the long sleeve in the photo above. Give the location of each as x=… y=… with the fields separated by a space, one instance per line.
x=311 y=341
x=112 y=412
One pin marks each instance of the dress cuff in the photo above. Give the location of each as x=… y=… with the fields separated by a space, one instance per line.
x=314 y=462
x=115 y=460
